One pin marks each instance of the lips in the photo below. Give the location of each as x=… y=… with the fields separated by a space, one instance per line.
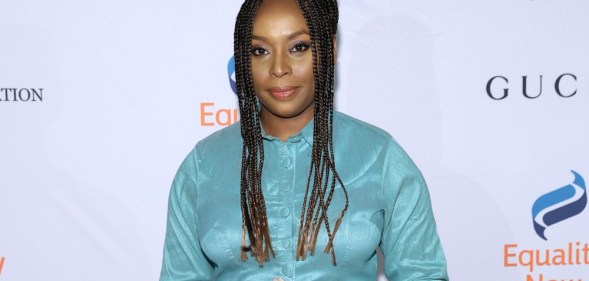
x=282 y=93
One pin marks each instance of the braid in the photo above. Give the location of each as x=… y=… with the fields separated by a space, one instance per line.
x=322 y=18
x=253 y=207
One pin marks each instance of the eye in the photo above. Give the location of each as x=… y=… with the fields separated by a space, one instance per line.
x=300 y=47
x=259 y=51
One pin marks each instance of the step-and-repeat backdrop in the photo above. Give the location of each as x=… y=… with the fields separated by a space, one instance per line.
x=101 y=100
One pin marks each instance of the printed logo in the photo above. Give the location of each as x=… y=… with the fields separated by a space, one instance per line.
x=1 y=264
x=554 y=261
x=21 y=94
x=213 y=115
x=498 y=87
x=559 y=205
x=231 y=74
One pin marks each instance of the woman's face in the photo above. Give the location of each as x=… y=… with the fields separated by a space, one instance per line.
x=282 y=61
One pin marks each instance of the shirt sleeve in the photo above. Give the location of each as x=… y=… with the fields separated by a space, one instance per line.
x=410 y=243
x=183 y=258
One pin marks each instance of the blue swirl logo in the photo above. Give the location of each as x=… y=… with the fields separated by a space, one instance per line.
x=559 y=205
x=231 y=74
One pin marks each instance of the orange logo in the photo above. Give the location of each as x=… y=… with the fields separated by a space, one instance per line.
x=573 y=254
x=212 y=116
x=1 y=264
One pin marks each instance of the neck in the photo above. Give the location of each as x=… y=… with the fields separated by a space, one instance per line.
x=283 y=128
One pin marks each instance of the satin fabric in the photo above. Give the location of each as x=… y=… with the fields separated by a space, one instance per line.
x=389 y=207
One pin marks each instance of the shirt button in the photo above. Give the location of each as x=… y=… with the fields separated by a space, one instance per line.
x=284 y=212
x=286 y=162
x=286 y=270
x=285 y=243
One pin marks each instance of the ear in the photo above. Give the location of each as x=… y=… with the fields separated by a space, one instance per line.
x=334 y=50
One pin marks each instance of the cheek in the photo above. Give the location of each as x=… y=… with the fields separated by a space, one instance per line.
x=305 y=72
x=258 y=76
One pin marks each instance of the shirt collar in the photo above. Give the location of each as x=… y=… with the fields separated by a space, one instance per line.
x=306 y=134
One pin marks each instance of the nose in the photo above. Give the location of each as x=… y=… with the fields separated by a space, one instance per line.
x=280 y=65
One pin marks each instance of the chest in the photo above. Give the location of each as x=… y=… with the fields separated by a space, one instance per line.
x=284 y=187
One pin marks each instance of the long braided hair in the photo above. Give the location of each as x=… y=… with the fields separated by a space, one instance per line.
x=322 y=18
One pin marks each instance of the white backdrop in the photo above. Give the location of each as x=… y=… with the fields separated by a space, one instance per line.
x=126 y=88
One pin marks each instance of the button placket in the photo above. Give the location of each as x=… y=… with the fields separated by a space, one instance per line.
x=286 y=168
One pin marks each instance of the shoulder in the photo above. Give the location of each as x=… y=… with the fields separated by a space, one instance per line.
x=357 y=132
x=220 y=149
x=222 y=142
x=357 y=140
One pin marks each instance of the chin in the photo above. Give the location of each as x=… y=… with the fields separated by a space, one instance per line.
x=288 y=112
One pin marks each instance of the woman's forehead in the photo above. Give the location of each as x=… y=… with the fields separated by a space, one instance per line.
x=279 y=6
x=279 y=17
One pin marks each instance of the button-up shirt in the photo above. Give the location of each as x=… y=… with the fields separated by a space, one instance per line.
x=389 y=207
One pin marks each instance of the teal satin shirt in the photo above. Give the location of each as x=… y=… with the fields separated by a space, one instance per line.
x=389 y=207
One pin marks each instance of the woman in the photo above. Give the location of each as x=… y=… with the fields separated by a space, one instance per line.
x=234 y=204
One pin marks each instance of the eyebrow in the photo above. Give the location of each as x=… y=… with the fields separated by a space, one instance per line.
x=289 y=37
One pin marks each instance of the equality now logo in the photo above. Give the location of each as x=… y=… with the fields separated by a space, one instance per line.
x=559 y=205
